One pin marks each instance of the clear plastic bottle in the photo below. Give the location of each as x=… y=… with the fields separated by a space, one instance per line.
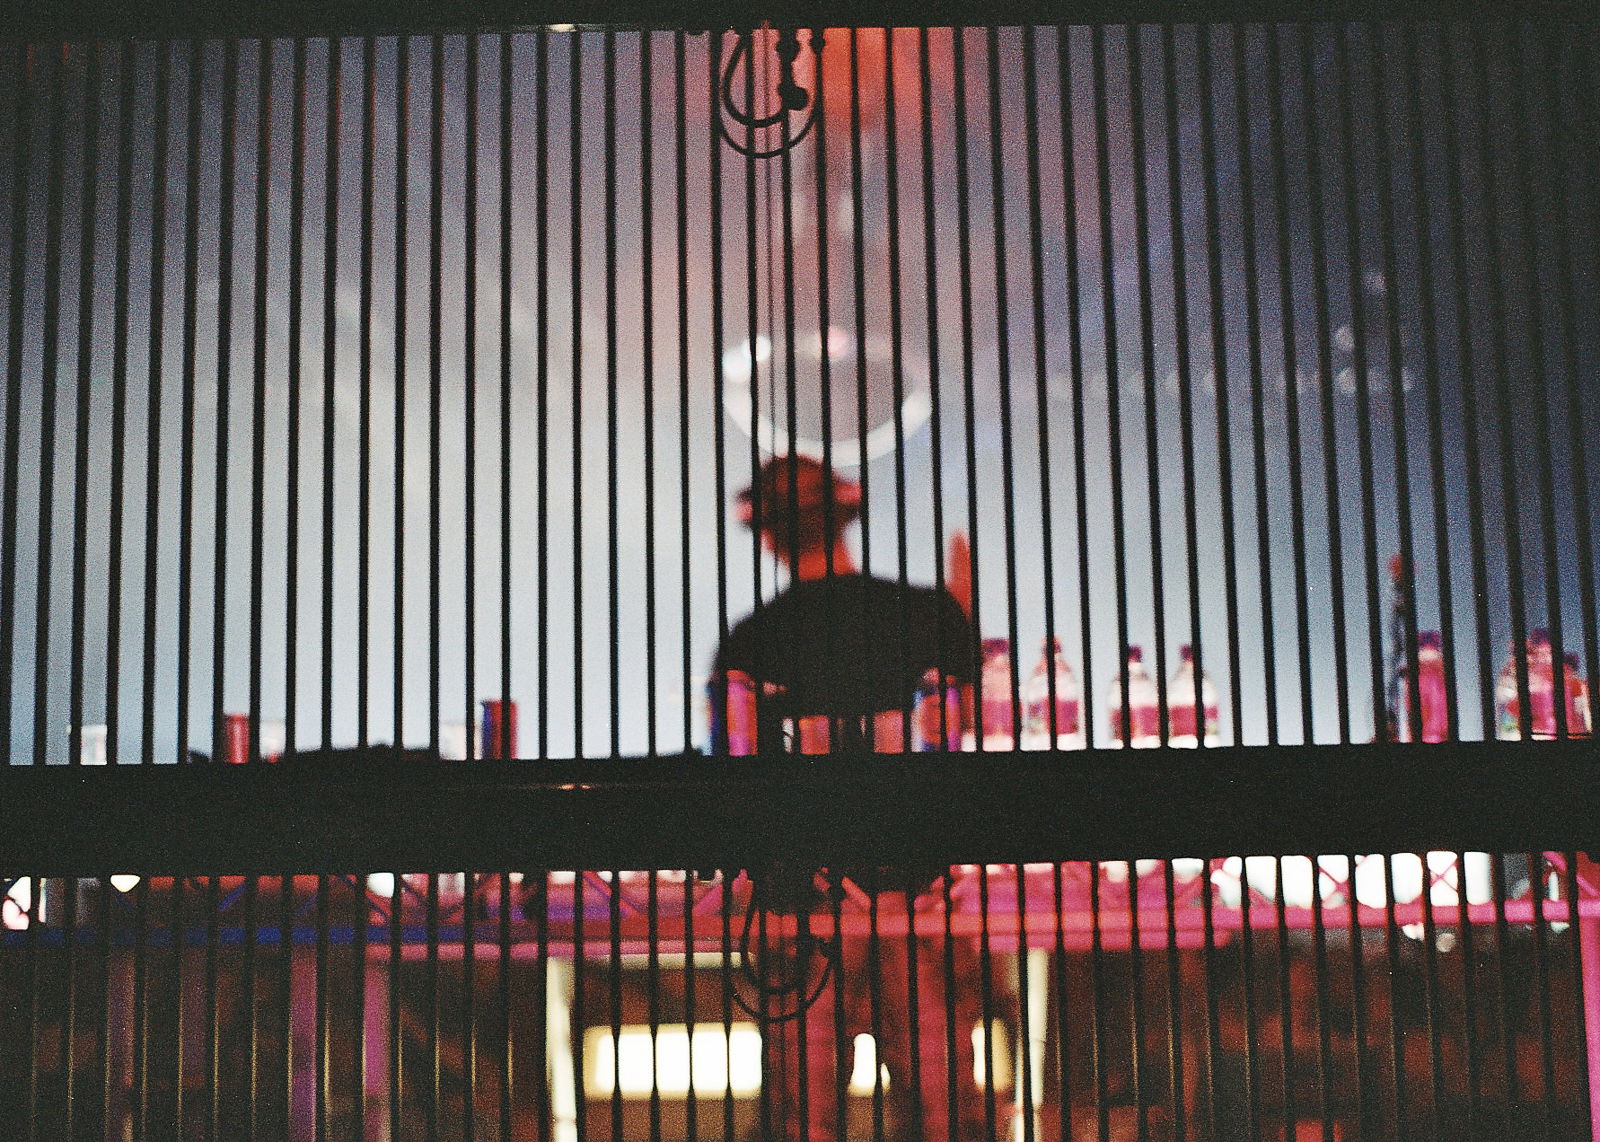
x=1180 y=704
x=1431 y=688
x=995 y=695
x=1144 y=711
x=1036 y=726
x=1578 y=720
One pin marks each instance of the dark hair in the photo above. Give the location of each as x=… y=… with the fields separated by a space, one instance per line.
x=804 y=508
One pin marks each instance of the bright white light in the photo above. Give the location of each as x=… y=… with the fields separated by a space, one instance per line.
x=18 y=900
x=124 y=882
x=866 y=1055
x=717 y=1059
x=381 y=884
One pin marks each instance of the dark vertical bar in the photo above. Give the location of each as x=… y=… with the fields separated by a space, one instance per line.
x=226 y=211
x=49 y=361
x=609 y=138
x=324 y=1048
x=538 y=901
x=1208 y=950
x=653 y=949
x=1286 y=1006
x=297 y=355
x=1136 y=1060
x=577 y=1024
x=1383 y=87
x=469 y=378
x=1416 y=148
x=1580 y=1013
x=434 y=1091
x=397 y=1042
x=252 y=942
x=22 y=157
x=951 y=1029
x=213 y=1009
x=1216 y=301
x=469 y=950
x=1180 y=316
x=614 y=980
x=358 y=998
x=369 y=147
x=575 y=240
x=69 y=1016
x=1144 y=253
x=891 y=139
x=109 y=991
x=1358 y=1009
x=179 y=939
x=1108 y=318
x=1058 y=963
x=681 y=200
x=88 y=240
x=1098 y=1062
x=1397 y=1053
x=1431 y=988
x=1469 y=1005
x=1177 y=1085
x=1454 y=162
x=1247 y=957
x=647 y=337
x=1003 y=354
x=1358 y=321
x=1497 y=254
x=1254 y=322
x=969 y=393
x=1319 y=944
x=506 y=1044
x=258 y=420
x=402 y=277
x=330 y=346
x=127 y=64
x=1502 y=941
x=1024 y=1035
x=1538 y=896
x=140 y=1032
x=1528 y=133
x=155 y=376
x=1030 y=69
x=1324 y=347
x=541 y=143
x=986 y=1001
x=505 y=145
x=435 y=426
x=1291 y=372
x=286 y=992
x=1069 y=239
x=691 y=1016
x=719 y=458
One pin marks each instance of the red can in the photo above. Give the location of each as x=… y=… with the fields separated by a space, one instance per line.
x=499 y=735
x=236 y=733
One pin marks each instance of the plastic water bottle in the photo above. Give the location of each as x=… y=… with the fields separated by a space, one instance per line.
x=1180 y=704
x=1143 y=709
x=1431 y=687
x=994 y=698
x=1036 y=726
x=1578 y=721
x=1507 y=709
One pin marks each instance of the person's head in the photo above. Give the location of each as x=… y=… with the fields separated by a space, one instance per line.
x=803 y=507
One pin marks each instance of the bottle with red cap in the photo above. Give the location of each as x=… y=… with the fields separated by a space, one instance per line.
x=1541 y=691
x=1430 y=689
x=1181 y=704
x=1144 y=713
x=1038 y=727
